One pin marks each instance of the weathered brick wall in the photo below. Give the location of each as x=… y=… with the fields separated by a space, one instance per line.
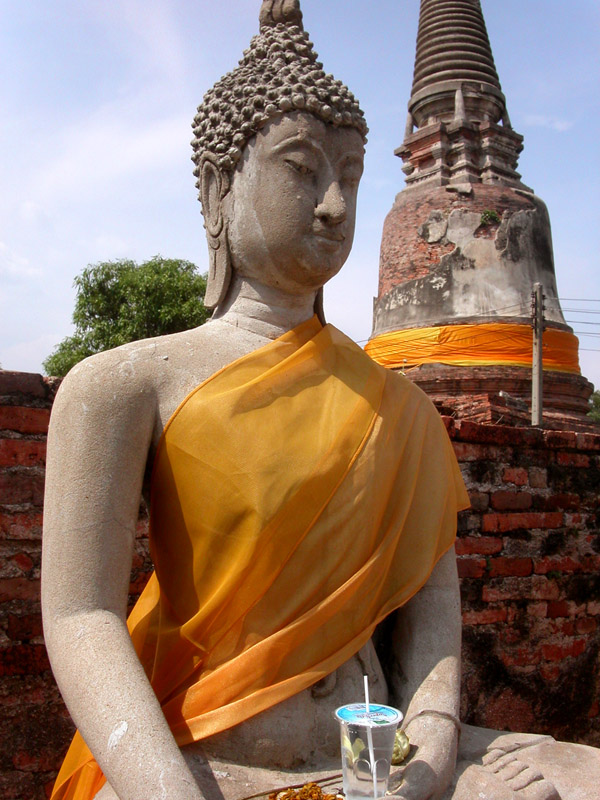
x=527 y=554
x=35 y=727
x=529 y=561
x=33 y=721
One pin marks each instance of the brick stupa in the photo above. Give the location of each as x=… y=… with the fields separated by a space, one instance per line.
x=466 y=241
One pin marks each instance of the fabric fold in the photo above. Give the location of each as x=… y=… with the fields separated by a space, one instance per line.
x=298 y=497
x=474 y=345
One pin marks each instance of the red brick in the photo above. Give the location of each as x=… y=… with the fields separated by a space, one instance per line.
x=20 y=486
x=509 y=636
x=594 y=710
x=478 y=545
x=468 y=452
x=516 y=475
x=500 y=590
x=507 y=710
x=520 y=657
x=562 y=627
x=538 y=478
x=27 y=525
x=593 y=607
x=449 y=424
x=560 y=439
x=550 y=672
x=572 y=459
x=137 y=586
x=23 y=627
x=19 y=589
x=498 y=435
x=23 y=561
x=471 y=567
x=558 y=652
x=565 y=502
x=513 y=613
x=510 y=501
x=519 y=567
x=501 y=523
x=534 y=587
x=24 y=420
x=558 y=608
x=24 y=659
x=18 y=785
x=22 y=452
x=41 y=761
x=560 y=564
x=539 y=609
x=544 y=589
x=485 y=617
x=480 y=501
x=29 y=383
x=588 y=441
x=590 y=563
x=586 y=625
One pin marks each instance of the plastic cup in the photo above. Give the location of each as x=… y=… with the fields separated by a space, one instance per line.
x=367 y=747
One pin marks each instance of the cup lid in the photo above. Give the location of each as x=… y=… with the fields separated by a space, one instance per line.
x=376 y=715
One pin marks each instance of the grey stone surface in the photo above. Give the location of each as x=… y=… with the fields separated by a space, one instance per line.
x=482 y=279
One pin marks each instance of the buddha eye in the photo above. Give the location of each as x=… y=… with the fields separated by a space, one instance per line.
x=299 y=167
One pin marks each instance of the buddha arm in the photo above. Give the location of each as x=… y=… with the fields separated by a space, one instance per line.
x=426 y=643
x=98 y=445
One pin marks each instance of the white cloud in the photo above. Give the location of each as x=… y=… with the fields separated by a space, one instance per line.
x=110 y=244
x=542 y=121
x=108 y=147
x=149 y=28
x=26 y=356
x=14 y=267
x=31 y=212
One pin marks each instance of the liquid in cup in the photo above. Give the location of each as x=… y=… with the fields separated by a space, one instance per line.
x=359 y=730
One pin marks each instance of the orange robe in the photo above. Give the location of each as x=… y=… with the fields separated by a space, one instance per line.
x=298 y=497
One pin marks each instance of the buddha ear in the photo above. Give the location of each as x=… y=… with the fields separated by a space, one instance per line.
x=214 y=185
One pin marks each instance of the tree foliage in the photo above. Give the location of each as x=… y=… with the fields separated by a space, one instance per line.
x=594 y=412
x=120 y=301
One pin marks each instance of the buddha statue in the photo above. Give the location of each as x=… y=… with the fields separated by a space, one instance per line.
x=302 y=499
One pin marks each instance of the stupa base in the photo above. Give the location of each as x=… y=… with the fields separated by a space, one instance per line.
x=502 y=395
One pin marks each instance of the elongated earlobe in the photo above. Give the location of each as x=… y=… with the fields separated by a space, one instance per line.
x=219 y=272
x=214 y=186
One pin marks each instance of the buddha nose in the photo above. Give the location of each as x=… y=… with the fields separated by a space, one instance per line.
x=332 y=208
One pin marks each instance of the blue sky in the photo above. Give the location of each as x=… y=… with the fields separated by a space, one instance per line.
x=97 y=98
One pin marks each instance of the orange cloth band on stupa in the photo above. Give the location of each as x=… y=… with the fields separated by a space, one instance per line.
x=298 y=497
x=473 y=346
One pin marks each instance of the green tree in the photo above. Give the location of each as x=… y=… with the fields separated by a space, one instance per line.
x=594 y=412
x=120 y=301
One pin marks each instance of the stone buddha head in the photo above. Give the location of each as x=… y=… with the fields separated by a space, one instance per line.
x=278 y=147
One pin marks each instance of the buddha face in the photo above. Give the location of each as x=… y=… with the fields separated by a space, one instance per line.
x=291 y=207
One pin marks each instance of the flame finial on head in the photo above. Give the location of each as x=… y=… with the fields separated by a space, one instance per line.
x=273 y=12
